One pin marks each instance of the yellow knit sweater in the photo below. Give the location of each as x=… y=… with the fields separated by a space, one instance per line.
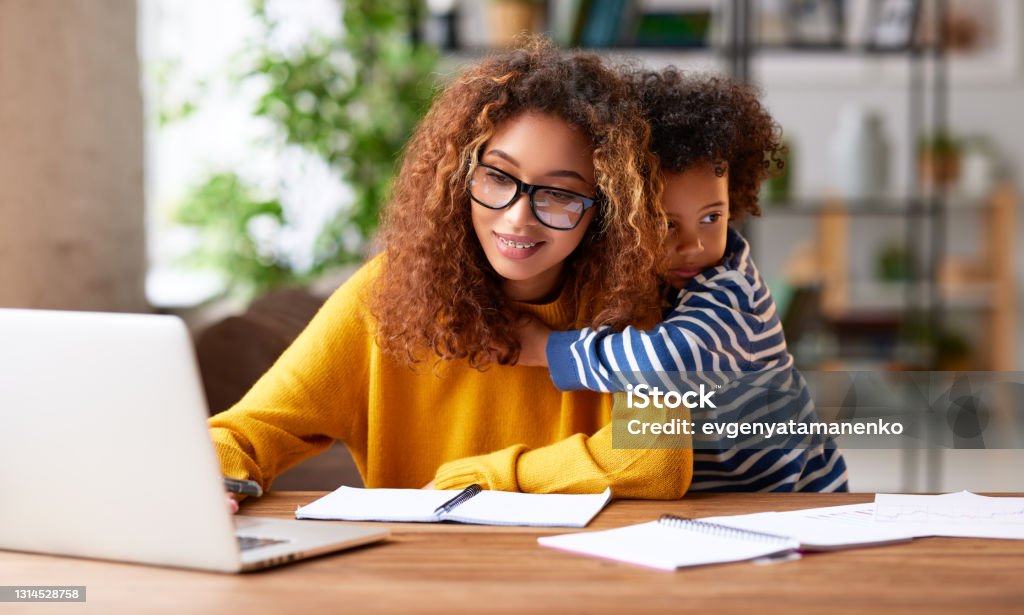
x=506 y=428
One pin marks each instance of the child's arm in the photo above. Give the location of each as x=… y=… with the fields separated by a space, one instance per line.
x=702 y=335
x=727 y=324
x=603 y=360
x=586 y=359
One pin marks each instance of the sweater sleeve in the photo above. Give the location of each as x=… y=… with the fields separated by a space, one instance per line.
x=578 y=464
x=315 y=393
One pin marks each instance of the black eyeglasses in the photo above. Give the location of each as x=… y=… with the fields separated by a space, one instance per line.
x=554 y=207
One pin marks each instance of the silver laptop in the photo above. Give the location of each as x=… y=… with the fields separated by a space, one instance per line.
x=104 y=451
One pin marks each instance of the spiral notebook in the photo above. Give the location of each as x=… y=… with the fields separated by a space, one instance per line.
x=471 y=505
x=674 y=542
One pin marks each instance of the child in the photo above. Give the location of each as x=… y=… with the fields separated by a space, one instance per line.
x=716 y=144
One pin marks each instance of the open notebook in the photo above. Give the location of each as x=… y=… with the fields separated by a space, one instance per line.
x=468 y=506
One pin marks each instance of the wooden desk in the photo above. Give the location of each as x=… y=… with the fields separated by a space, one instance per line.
x=448 y=568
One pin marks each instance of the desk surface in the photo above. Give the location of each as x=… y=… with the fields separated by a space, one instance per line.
x=453 y=568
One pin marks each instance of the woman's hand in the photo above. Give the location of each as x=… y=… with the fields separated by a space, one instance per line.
x=232 y=504
x=533 y=339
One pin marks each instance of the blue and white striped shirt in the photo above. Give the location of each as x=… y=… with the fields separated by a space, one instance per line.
x=724 y=320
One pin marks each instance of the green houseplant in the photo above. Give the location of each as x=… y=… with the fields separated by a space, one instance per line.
x=353 y=101
x=938 y=160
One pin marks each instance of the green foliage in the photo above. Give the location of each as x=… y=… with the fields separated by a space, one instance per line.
x=170 y=110
x=894 y=263
x=352 y=101
x=940 y=143
x=948 y=348
x=776 y=188
x=223 y=208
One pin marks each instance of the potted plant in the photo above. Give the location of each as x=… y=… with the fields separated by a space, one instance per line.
x=938 y=160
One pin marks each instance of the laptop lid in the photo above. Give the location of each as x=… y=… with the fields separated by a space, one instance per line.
x=104 y=450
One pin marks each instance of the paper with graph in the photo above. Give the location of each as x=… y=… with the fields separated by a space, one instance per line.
x=962 y=514
x=823 y=529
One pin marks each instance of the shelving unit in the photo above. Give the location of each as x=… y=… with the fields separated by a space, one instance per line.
x=920 y=307
x=932 y=296
x=981 y=283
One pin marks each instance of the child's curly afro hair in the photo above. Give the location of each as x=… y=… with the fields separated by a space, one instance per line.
x=710 y=119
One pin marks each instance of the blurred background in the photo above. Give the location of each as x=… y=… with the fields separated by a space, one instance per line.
x=226 y=161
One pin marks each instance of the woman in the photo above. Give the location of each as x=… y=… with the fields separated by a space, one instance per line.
x=527 y=189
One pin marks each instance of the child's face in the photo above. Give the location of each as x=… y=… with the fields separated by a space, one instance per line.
x=541 y=150
x=696 y=202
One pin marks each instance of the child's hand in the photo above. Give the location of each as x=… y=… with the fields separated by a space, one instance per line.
x=533 y=337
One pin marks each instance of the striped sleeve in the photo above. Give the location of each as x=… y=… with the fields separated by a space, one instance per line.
x=721 y=323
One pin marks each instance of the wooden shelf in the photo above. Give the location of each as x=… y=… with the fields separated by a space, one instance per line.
x=875 y=207
x=843 y=298
x=875 y=296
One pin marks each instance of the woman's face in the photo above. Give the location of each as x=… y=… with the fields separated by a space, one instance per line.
x=542 y=150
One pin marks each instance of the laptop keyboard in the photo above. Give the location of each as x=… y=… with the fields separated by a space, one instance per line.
x=246 y=543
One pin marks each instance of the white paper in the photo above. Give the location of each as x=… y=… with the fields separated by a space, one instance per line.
x=354 y=504
x=822 y=529
x=961 y=514
x=486 y=507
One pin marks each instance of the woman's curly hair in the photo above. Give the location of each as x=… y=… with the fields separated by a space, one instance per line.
x=437 y=290
x=708 y=119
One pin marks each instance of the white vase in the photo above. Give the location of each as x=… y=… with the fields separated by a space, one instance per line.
x=859 y=155
x=977 y=169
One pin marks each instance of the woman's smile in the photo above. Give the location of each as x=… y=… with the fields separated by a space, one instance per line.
x=517 y=246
